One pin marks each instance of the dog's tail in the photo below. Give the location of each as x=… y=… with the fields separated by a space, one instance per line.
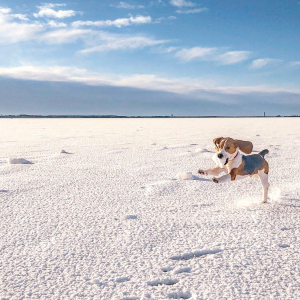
x=264 y=152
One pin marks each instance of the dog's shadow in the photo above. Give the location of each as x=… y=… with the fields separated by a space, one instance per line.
x=200 y=179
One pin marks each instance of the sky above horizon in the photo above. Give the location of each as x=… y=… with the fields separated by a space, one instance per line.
x=201 y=49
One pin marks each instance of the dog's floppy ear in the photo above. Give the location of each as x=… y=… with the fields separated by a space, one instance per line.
x=245 y=146
x=217 y=142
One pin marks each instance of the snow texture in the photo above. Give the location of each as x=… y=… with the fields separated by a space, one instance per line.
x=113 y=221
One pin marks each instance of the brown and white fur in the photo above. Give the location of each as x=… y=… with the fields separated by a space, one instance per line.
x=229 y=160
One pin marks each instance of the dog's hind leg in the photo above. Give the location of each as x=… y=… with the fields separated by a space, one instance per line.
x=263 y=176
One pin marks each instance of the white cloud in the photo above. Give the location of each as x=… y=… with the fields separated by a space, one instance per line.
x=104 y=41
x=295 y=63
x=4 y=10
x=171 y=49
x=196 y=52
x=55 y=24
x=13 y=32
x=7 y=11
x=143 y=81
x=127 y=5
x=63 y=36
x=191 y=11
x=44 y=73
x=21 y=17
x=47 y=10
x=159 y=20
x=118 y=22
x=261 y=62
x=120 y=42
x=233 y=57
x=212 y=54
x=181 y=3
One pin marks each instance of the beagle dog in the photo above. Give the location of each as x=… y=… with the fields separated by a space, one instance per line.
x=237 y=166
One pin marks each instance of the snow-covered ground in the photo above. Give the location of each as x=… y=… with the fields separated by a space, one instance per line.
x=98 y=211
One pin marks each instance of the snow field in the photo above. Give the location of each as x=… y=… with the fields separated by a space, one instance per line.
x=109 y=218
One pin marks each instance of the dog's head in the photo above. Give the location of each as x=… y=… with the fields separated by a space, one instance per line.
x=227 y=149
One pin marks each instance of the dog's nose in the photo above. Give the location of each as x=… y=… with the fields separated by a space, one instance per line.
x=220 y=155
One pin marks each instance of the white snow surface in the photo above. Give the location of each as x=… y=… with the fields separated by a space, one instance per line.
x=108 y=218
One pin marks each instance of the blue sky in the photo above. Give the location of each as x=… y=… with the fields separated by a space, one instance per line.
x=221 y=52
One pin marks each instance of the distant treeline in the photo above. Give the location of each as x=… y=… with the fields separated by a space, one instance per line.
x=114 y=116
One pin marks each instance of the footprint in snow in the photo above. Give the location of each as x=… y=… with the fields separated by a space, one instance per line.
x=122 y=279
x=183 y=270
x=284 y=246
x=163 y=282
x=128 y=217
x=167 y=269
x=191 y=255
x=180 y=295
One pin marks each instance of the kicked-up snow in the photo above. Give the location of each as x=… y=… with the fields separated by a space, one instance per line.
x=115 y=209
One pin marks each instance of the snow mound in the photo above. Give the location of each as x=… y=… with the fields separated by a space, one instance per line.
x=185 y=176
x=274 y=194
x=14 y=161
x=200 y=150
x=64 y=152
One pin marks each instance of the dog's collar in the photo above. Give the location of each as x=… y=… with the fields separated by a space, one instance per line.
x=235 y=156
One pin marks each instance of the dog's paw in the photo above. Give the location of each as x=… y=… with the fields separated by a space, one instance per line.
x=215 y=180
x=201 y=172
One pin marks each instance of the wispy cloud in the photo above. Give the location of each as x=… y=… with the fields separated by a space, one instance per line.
x=55 y=24
x=189 y=86
x=121 y=42
x=295 y=63
x=42 y=73
x=182 y=3
x=47 y=10
x=117 y=23
x=191 y=11
x=127 y=5
x=196 y=52
x=262 y=62
x=21 y=17
x=66 y=36
x=14 y=32
x=212 y=54
x=233 y=57
x=159 y=20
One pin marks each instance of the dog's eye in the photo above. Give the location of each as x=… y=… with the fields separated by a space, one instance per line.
x=227 y=148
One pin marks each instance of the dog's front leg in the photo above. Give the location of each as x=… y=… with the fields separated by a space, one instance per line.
x=214 y=172
x=222 y=179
